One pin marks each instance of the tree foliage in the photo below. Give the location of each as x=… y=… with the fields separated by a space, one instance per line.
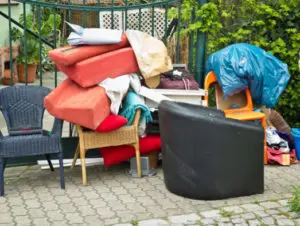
x=270 y=24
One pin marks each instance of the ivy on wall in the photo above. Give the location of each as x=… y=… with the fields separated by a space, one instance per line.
x=270 y=24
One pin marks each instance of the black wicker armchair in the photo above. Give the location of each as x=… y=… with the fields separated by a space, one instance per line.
x=23 y=110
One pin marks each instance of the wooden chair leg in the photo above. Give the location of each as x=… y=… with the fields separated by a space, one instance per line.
x=138 y=159
x=76 y=155
x=83 y=167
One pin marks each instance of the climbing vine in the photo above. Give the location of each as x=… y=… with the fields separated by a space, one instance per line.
x=270 y=24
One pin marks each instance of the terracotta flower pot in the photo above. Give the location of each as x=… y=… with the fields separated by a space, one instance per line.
x=31 y=71
x=6 y=80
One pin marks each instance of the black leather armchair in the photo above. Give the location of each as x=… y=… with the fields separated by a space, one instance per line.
x=207 y=156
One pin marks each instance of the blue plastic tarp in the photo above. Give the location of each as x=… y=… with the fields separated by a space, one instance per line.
x=242 y=65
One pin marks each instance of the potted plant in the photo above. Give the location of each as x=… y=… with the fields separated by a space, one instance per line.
x=31 y=54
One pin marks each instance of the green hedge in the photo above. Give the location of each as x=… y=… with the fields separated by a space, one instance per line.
x=270 y=24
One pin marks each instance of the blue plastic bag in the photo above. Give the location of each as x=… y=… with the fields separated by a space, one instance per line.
x=242 y=65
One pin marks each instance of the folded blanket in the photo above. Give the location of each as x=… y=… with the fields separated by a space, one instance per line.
x=131 y=103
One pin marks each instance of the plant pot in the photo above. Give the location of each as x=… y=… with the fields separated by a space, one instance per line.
x=31 y=72
x=6 y=80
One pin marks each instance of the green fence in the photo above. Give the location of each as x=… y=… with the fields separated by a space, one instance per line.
x=43 y=28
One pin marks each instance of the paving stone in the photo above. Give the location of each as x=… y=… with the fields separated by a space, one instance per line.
x=268 y=220
x=19 y=211
x=41 y=221
x=98 y=203
x=67 y=208
x=238 y=221
x=22 y=220
x=223 y=219
x=74 y=218
x=252 y=207
x=126 y=198
x=153 y=222
x=91 y=195
x=248 y=216
x=184 y=219
x=272 y=212
x=254 y=222
x=15 y=201
x=211 y=213
x=285 y=222
x=233 y=209
x=55 y=215
x=63 y=200
x=5 y=208
x=283 y=202
x=93 y=220
x=86 y=211
x=261 y=213
x=270 y=205
x=33 y=203
x=36 y=213
x=105 y=213
x=48 y=206
x=225 y=224
x=5 y=218
x=111 y=221
x=207 y=221
x=123 y=225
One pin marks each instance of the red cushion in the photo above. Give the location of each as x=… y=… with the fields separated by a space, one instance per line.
x=92 y=71
x=114 y=155
x=69 y=55
x=112 y=122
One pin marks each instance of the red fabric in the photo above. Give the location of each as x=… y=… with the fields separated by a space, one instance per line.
x=114 y=155
x=69 y=55
x=112 y=122
x=284 y=159
x=92 y=71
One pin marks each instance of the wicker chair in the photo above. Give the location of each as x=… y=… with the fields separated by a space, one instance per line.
x=127 y=135
x=23 y=110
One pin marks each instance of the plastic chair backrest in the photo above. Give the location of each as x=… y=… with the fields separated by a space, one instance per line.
x=210 y=79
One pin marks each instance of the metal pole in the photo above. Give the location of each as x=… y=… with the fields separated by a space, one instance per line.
x=200 y=54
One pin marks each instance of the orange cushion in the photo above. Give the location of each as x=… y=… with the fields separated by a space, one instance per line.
x=69 y=55
x=94 y=70
x=87 y=107
x=112 y=122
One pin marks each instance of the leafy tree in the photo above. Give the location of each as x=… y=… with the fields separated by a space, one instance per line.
x=270 y=24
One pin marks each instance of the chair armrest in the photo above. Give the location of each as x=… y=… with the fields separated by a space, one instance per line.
x=57 y=127
x=137 y=118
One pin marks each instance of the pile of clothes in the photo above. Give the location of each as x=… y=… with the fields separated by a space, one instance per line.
x=105 y=72
x=281 y=148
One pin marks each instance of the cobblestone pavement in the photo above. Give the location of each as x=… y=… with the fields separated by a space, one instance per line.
x=33 y=197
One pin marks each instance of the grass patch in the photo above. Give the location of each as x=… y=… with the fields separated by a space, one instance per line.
x=256 y=202
x=294 y=201
x=199 y=223
x=225 y=213
x=134 y=222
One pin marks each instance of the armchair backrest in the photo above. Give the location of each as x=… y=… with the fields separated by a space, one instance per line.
x=23 y=108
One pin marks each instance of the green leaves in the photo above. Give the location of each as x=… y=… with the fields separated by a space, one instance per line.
x=271 y=25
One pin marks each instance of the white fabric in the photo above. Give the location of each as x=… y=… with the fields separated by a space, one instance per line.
x=116 y=88
x=93 y=36
x=152 y=95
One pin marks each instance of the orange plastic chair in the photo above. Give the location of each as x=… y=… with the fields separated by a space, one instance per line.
x=244 y=113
